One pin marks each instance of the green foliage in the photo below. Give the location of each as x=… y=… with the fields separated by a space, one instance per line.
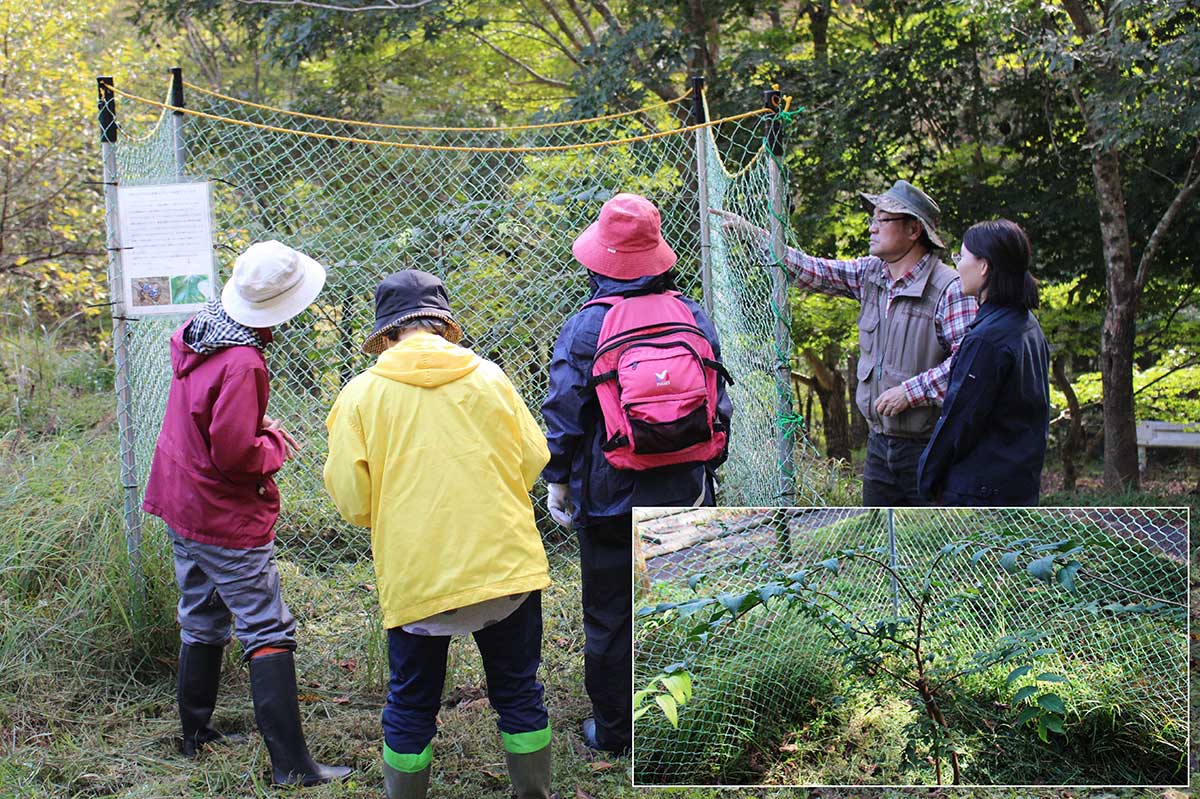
x=1164 y=392
x=670 y=691
x=51 y=209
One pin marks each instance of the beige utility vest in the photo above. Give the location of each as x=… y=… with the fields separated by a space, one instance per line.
x=899 y=342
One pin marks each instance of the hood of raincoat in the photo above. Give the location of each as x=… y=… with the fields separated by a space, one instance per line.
x=426 y=360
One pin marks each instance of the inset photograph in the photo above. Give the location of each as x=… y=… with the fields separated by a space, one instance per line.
x=190 y=289
x=915 y=646
x=149 y=291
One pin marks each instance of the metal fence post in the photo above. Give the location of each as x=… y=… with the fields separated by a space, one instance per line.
x=177 y=119
x=699 y=117
x=892 y=560
x=783 y=337
x=107 y=114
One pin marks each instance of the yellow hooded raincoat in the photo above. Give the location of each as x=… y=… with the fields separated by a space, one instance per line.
x=434 y=450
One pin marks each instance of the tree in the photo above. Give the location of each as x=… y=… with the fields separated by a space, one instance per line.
x=824 y=331
x=52 y=254
x=1132 y=69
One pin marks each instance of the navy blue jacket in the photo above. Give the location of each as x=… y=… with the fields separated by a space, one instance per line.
x=575 y=427
x=990 y=442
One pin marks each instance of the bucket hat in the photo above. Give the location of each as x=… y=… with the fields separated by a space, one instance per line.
x=270 y=284
x=905 y=198
x=626 y=241
x=403 y=296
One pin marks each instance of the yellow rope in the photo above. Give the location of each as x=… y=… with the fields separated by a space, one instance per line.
x=439 y=147
x=148 y=136
x=384 y=125
x=712 y=140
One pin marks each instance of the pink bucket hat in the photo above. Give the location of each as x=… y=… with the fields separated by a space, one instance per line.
x=626 y=241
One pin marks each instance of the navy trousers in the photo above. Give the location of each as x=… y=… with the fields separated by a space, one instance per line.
x=511 y=650
x=890 y=471
x=606 y=561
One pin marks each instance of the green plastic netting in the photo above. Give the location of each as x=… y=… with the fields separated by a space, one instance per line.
x=495 y=221
x=772 y=673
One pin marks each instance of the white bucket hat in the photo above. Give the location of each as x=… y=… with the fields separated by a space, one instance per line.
x=271 y=283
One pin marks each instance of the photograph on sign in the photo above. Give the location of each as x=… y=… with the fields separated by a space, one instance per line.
x=166 y=248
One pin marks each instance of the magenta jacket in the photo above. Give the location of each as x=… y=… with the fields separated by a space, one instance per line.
x=210 y=479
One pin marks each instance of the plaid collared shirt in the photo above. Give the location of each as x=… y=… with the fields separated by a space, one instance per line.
x=952 y=317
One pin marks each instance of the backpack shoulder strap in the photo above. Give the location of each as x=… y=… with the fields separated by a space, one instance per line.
x=609 y=301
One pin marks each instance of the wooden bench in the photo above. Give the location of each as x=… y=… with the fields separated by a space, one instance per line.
x=1166 y=434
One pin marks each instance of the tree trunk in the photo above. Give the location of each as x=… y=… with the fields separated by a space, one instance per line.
x=818 y=20
x=1120 y=318
x=830 y=387
x=1073 y=438
x=858 y=422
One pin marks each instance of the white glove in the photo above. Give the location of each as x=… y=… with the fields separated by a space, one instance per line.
x=558 y=502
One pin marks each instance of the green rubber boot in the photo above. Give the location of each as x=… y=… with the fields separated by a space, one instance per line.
x=405 y=784
x=530 y=773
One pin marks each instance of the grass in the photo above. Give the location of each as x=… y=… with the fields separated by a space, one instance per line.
x=87 y=704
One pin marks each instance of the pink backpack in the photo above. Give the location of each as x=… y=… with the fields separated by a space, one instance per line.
x=656 y=378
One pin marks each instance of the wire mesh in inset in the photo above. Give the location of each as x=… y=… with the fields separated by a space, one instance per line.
x=1119 y=636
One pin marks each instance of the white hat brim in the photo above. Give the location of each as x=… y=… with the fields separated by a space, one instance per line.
x=276 y=310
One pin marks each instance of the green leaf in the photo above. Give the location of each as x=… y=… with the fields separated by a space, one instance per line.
x=1066 y=576
x=1037 y=653
x=1055 y=547
x=978 y=556
x=677 y=685
x=669 y=708
x=1051 y=677
x=1028 y=714
x=1008 y=561
x=1042 y=729
x=1042 y=568
x=641 y=711
x=1024 y=693
x=685 y=609
x=1018 y=673
x=732 y=602
x=1054 y=723
x=770 y=590
x=695 y=579
x=1053 y=703
x=831 y=564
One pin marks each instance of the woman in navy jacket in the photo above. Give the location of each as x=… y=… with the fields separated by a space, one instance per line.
x=990 y=443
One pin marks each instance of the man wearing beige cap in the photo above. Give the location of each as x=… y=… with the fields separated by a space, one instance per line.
x=212 y=482
x=913 y=316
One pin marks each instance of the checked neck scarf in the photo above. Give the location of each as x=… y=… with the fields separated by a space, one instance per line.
x=212 y=329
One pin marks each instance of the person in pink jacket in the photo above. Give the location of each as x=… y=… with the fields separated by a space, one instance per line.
x=211 y=481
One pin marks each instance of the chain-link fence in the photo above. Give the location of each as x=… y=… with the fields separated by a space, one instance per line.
x=493 y=212
x=1117 y=626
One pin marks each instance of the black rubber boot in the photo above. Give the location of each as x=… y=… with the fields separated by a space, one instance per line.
x=277 y=713
x=199 y=678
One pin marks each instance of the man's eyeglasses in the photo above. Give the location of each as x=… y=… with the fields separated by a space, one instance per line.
x=879 y=220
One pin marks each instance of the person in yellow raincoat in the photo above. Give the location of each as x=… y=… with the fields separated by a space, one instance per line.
x=434 y=450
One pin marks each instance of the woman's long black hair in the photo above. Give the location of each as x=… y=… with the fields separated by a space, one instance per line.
x=1004 y=245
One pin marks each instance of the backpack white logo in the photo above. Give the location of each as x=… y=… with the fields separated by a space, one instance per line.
x=662 y=378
